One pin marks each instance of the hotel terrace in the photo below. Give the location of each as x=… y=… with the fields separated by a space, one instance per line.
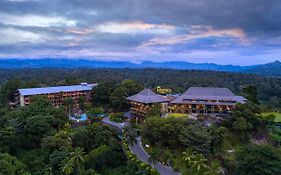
x=142 y=102
x=205 y=100
x=56 y=95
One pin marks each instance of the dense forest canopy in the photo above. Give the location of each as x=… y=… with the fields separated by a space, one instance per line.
x=269 y=89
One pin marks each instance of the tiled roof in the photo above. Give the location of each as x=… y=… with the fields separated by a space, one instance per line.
x=147 y=96
x=57 y=89
x=208 y=93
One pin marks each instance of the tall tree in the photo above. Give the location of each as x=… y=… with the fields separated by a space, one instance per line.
x=251 y=93
x=258 y=160
x=9 y=165
x=69 y=104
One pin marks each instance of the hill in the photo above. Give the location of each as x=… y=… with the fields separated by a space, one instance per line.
x=79 y=63
x=269 y=69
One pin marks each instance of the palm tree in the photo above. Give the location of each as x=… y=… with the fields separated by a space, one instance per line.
x=188 y=155
x=68 y=102
x=67 y=167
x=153 y=158
x=213 y=169
x=77 y=158
x=131 y=135
x=199 y=162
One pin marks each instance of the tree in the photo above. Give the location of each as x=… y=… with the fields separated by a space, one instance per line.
x=102 y=92
x=258 y=160
x=118 y=98
x=217 y=135
x=131 y=135
x=251 y=94
x=11 y=166
x=213 y=169
x=188 y=155
x=197 y=137
x=153 y=155
x=81 y=103
x=35 y=129
x=91 y=172
x=155 y=111
x=132 y=86
x=67 y=167
x=8 y=90
x=242 y=127
x=196 y=163
x=77 y=159
x=68 y=103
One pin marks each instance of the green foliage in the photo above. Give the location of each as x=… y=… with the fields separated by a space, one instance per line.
x=251 y=94
x=247 y=118
x=217 y=135
x=155 y=111
x=93 y=136
x=117 y=117
x=10 y=165
x=197 y=164
x=196 y=137
x=177 y=133
x=162 y=131
x=179 y=80
x=101 y=93
x=258 y=160
x=275 y=135
x=69 y=105
x=118 y=98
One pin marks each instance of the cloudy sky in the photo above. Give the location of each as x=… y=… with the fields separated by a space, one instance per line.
x=240 y=32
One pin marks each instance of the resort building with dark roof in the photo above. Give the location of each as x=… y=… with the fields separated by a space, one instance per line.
x=205 y=100
x=143 y=101
x=56 y=95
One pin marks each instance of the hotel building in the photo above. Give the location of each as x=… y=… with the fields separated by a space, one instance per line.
x=205 y=100
x=142 y=102
x=56 y=95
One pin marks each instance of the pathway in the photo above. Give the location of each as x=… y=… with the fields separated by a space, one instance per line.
x=139 y=151
x=119 y=126
x=143 y=156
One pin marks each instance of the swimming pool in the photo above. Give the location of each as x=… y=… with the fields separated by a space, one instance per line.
x=82 y=117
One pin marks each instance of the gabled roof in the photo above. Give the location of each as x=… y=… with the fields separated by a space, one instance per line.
x=147 y=96
x=57 y=89
x=208 y=93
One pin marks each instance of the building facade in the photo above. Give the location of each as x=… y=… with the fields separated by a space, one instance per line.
x=205 y=100
x=56 y=95
x=142 y=102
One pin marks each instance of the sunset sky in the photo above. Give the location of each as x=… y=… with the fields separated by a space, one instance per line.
x=239 y=32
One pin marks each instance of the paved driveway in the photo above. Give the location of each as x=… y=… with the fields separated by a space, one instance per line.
x=139 y=151
x=142 y=155
x=119 y=126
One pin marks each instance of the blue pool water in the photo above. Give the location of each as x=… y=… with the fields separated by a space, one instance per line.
x=82 y=117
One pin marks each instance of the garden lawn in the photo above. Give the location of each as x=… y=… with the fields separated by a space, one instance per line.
x=177 y=115
x=277 y=115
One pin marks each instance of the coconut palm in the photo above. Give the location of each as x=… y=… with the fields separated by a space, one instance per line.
x=213 y=169
x=77 y=158
x=198 y=162
x=153 y=158
x=188 y=155
x=67 y=167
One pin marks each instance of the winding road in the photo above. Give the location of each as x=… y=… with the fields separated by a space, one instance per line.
x=139 y=151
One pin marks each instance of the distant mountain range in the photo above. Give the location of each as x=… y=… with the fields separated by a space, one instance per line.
x=269 y=69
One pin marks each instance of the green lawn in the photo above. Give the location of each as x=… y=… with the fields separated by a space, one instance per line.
x=177 y=115
x=277 y=115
